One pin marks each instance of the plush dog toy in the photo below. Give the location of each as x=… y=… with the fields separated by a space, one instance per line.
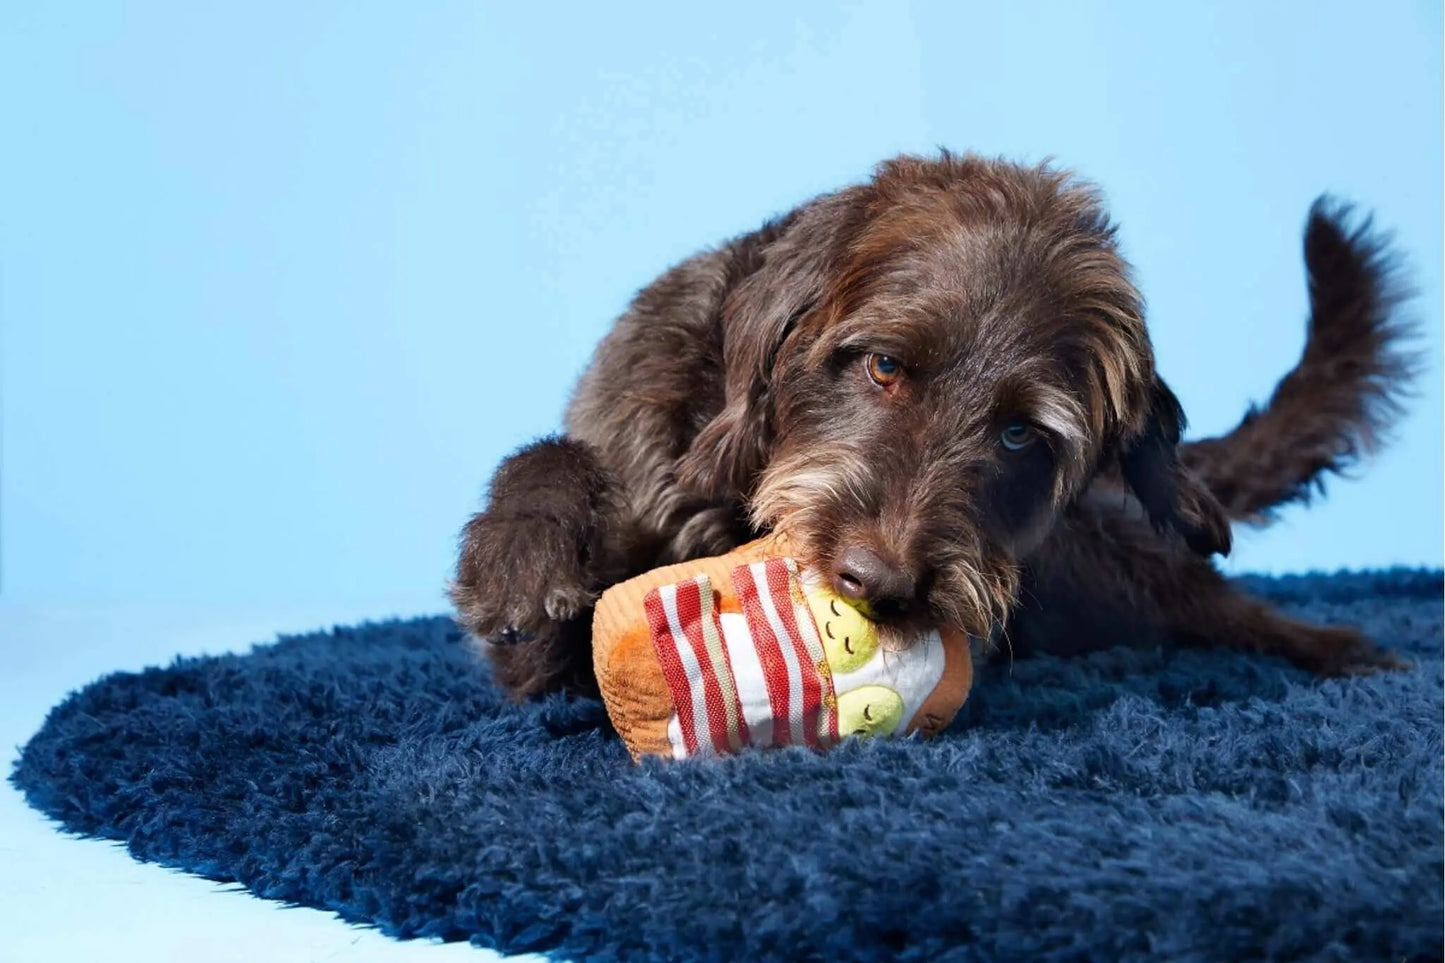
x=747 y=650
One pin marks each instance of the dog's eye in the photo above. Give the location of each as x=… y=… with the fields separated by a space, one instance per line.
x=883 y=370
x=1017 y=435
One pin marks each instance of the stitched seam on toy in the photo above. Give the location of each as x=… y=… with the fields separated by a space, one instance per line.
x=827 y=715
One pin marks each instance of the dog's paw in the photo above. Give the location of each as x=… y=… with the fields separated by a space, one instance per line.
x=510 y=636
x=564 y=602
x=1369 y=659
x=1341 y=651
x=518 y=577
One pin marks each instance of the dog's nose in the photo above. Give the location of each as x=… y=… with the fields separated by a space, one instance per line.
x=861 y=574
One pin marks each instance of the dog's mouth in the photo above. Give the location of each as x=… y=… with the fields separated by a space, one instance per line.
x=892 y=611
x=968 y=596
x=965 y=583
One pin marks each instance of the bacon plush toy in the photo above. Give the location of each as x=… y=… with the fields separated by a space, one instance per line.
x=747 y=650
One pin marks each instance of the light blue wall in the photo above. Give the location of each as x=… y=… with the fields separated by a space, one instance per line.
x=281 y=282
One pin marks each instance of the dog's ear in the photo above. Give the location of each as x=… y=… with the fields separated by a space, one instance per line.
x=1169 y=492
x=796 y=259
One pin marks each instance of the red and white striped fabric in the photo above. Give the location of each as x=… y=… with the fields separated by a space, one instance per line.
x=711 y=672
x=799 y=683
x=690 y=645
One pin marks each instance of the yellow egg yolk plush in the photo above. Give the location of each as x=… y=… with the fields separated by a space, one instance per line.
x=849 y=639
x=869 y=710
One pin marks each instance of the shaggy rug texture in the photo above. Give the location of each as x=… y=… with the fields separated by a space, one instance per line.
x=1129 y=804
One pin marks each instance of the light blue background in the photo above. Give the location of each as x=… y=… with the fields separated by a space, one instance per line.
x=281 y=282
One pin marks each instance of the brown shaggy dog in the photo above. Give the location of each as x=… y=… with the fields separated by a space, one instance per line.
x=940 y=384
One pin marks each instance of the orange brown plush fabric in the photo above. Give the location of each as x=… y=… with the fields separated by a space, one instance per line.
x=745 y=650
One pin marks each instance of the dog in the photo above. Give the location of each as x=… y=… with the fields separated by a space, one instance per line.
x=940 y=385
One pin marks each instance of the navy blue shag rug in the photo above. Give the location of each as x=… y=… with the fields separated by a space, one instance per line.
x=1125 y=805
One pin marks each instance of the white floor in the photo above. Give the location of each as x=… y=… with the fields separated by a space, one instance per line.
x=65 y=899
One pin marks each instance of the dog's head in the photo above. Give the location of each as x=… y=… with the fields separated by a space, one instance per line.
x=923 y=374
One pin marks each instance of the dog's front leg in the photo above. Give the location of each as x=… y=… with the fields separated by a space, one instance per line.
x=533 y=563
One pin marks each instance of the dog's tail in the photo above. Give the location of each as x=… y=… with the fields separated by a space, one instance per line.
x=1340 y=401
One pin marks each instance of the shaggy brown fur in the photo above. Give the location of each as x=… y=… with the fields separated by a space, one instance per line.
x=940 y=384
